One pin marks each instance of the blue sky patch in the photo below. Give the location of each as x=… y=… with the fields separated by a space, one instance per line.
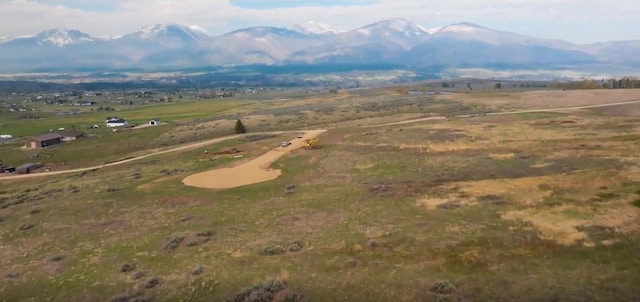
x=271 y=4
x=90 y=6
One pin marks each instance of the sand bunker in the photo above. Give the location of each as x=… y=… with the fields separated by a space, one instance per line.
x=254 y=171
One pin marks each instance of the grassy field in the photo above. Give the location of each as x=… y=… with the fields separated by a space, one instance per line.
x=526 y=207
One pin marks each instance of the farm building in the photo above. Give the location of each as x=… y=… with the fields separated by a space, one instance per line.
x=69 y=135
x=26 y=168
x=154 y=122
x=116 y=122
x=43 y=140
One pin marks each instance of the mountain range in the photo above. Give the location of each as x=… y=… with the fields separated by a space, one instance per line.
x=394 y=42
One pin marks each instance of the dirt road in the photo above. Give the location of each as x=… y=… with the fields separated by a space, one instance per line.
x=296 y=143
x=128 y=160
x=257 y=170
x=254 y=171
x=556 y=109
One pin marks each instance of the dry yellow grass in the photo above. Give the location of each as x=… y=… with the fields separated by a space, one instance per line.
x=562 y=224
x=549 y=99
x=553 y=224
x=432 y=203
x=525 y=191
x=501 y=155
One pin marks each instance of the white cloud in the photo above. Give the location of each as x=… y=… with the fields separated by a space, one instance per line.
x=573 y=20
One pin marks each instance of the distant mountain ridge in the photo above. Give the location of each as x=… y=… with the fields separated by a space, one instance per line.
x=395 y=41
x=168 y=31
x=314 y=28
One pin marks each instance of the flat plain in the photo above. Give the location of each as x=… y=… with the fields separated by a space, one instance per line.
x=469 y=206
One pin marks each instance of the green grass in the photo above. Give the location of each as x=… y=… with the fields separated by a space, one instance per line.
x=539 y=115
x=483 y=95
x=608 y=195
x=363 y=234
x=172 y=112
x=625 y=138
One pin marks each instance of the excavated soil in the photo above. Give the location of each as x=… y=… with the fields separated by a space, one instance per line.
x=254 y=171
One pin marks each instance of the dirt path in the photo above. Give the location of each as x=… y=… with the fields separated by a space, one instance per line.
x=556 y=109
x=254 y=171
x=257 y=170
x=296 y=143
x=566 y=108
x=128 y=160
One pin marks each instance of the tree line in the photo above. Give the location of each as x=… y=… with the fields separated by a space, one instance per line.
x=623 y=83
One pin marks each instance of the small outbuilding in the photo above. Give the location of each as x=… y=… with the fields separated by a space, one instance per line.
x=43 y=140
x=154 y=122
x=26 y=168
x=69 y=134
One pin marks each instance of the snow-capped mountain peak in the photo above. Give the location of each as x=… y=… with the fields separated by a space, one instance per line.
x=463 y=27
x=197 y=28
x=470 y=31
x=150 y=32
x=434 y=30
x=396 y=25
x=400 y=24
x=393 y=41
x=63 y=37
x=314 y=28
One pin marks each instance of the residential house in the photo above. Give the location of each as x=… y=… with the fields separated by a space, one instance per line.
x=116 y=122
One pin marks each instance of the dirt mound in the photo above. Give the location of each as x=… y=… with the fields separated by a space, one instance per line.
x=254 y=171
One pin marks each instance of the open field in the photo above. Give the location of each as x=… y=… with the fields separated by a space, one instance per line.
x=544 y=99
x=534 y=206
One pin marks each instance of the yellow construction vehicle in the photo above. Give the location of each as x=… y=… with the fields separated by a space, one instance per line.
x=309 y=143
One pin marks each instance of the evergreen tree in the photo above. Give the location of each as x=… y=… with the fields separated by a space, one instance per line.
x=240 y=127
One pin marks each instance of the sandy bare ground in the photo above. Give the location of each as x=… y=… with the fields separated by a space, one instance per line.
x=254 y=171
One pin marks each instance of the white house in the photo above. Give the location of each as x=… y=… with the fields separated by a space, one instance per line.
x=6 y=136
x=116 y=122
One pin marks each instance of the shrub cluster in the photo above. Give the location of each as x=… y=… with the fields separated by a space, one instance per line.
x=127 y=267
x=274 y=250
x=173 y=243
x=266 y=293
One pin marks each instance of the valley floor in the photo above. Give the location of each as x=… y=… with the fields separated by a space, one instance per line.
x=532 y=206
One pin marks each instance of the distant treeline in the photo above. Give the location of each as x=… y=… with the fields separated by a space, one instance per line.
x=624 y=83
x=35 y=86
x=236 y=79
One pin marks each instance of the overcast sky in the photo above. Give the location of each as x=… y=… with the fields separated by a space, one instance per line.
x=578 y=21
